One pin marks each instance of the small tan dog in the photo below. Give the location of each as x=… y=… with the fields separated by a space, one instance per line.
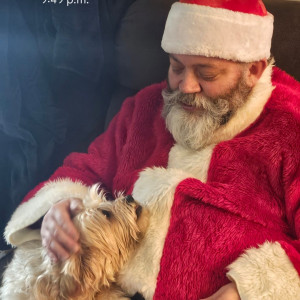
x=110 y=231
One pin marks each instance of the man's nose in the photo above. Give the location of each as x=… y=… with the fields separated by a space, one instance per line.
x=189 y=83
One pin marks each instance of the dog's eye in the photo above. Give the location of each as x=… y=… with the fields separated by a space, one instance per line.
x=106 y=213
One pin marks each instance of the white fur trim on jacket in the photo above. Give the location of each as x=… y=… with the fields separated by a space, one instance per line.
x=216 y=32
x=191 y=161
x=155 y=190
x=265 y=273
x=17 y=231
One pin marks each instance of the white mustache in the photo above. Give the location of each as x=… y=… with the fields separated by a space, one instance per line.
x=215 y=106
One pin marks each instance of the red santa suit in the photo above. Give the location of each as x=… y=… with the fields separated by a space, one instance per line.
x=234 y=207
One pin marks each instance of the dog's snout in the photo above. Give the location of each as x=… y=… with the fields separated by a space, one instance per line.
x=129 y=199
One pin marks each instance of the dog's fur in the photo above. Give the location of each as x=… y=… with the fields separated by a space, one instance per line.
x=110 y=231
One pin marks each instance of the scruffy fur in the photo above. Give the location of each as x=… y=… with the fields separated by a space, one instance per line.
x=110 y=231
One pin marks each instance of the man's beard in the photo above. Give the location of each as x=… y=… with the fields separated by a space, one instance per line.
x=194 y=129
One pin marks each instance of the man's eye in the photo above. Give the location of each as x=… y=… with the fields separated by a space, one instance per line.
x=177 y=70
x=106 y=213
x=209 y=78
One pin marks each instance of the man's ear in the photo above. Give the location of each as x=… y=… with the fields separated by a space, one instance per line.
x=255 y=70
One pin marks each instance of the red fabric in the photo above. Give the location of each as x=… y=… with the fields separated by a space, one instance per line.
x=255 y=7
x=293 y=251
x=252 y=193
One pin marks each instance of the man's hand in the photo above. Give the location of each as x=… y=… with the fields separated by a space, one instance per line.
x=59 y=235
x=226 y=292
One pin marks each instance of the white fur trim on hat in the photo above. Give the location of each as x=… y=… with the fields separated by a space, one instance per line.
x=216 y=32
x=17 y=231
x=265 y=273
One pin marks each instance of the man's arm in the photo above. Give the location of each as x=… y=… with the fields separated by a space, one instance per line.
x=273 y=268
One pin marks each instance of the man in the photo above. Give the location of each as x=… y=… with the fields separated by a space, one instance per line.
x=233 y=124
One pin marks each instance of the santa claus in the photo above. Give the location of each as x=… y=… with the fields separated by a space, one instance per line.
x=220 y=141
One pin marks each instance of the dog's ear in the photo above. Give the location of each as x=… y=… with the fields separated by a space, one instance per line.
x=85 y=273
x=70 y=281
x=59 y=282
x=46 y=287
x=94 y=270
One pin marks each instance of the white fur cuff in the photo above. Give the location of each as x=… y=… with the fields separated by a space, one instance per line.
x=265 y=273
x=17 y=231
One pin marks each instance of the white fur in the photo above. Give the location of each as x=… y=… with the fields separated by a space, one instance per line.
x=216 y=32
x=15 y=280
x=155 y=190
x=265 y=273
x=17 y=232
x=194 y=162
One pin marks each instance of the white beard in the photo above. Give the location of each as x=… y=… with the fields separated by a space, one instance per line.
x=194 y=129
x=190 y=130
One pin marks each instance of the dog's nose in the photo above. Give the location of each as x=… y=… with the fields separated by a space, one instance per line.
x=138 y=208
x=129 y=199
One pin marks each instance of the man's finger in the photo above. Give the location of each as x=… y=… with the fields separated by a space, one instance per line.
x=67 y=242
x=52 y=256
x=59 y=251
x=76 y=206
x=62 y=218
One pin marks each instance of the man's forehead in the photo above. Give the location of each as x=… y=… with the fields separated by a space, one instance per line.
x=199 y=61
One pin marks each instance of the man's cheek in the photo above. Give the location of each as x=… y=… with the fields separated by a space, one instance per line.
x=172 y=81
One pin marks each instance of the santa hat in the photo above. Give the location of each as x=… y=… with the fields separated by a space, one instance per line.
x=239 y=30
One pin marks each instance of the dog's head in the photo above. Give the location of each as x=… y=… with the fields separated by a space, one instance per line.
x=109 y=233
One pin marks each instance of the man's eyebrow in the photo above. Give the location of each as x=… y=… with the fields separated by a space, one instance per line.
x=198 y=65
x=174 y=58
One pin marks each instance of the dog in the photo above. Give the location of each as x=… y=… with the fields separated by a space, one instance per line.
x=121 y=246
x=110 y=232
